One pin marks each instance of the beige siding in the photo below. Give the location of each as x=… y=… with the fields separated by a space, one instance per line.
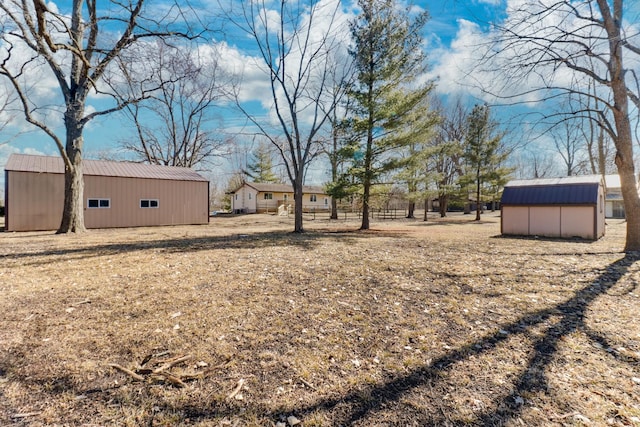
x=179 y=202
x=515 y=220
x=35 y=201
x=578 y=221
x=544 y=221
x=553 y=221
x=318 y=205
x=249 y=200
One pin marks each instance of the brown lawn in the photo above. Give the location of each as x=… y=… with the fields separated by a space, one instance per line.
x=242 y=323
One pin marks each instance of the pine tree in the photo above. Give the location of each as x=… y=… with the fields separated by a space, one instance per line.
x=261 y=169
x=483 y=154
x=388 y=59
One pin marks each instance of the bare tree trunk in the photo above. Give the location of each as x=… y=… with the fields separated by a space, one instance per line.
x=297 y=195
x=365 y=205
x=412 y=209
x=368 y=160
x=73 y=210
x=443 y=202
x=73 y=218
x=478 y=203
x=426 y=209
x=620 y=110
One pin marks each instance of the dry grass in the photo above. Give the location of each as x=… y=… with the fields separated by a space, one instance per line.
x=439 y=323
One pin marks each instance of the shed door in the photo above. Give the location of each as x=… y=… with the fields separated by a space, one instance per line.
x=544 y=221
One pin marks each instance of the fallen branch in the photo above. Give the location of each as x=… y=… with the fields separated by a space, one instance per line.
x=172 y=379
x=127 y=371
x=25 y=415
x=307 y=383
x=81 y=302
x=159 y=369
x=171 y=363
x=237 y=389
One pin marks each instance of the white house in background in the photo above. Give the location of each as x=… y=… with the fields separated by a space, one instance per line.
x=614 y=205
x=557 y=207
x=253 y=197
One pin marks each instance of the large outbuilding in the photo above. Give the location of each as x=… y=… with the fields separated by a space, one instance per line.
x=557 y=207
x=116 y=194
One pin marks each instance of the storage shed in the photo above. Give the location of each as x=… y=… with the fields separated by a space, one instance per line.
x=116 y=194
x=557 y=207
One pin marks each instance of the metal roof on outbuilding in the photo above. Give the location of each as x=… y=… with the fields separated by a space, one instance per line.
x=580 y=190
x=49 y=164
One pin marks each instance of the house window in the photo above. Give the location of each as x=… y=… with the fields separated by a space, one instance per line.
x=313 y=198
x=149 y=203
x=236 y=197
x=268 y=196
x=98 y=203
x=326 y=201
x=286 y=197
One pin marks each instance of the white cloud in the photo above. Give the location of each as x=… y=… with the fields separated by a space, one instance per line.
x=480 y=62
x=252 y=72
x=490 y=2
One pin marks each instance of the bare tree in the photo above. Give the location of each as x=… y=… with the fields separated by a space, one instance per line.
x=570 y=145
x=175 y=126
x=599 y=146
x=76 y=48
x=535 y=162
x=293 y=41
x=546 y=41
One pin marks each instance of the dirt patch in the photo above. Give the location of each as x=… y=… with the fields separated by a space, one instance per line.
x=411 y=323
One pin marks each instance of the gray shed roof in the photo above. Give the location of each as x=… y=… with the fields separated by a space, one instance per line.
x=55 y=165
x=581 y=190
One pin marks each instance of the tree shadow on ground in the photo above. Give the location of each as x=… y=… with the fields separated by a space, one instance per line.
x=532 y=378
x=360 y=406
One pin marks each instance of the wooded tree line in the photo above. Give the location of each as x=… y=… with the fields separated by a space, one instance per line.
x=362 y=103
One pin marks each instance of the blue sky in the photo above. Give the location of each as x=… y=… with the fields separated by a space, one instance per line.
x=451 y=35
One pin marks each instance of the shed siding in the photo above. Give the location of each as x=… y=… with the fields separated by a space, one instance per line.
x=180 y=202
x=557 y=207
x=515 y=220
x=577 y=221
x=36 y=201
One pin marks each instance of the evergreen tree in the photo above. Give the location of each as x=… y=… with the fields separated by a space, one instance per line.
x=261 y=169
x=483 y=154
x=415 y=169
x=388 y=58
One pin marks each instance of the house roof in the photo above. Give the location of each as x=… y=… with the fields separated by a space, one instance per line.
x=55 y=165
x=581 y=190
x=263 y=187
x=612 y=181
